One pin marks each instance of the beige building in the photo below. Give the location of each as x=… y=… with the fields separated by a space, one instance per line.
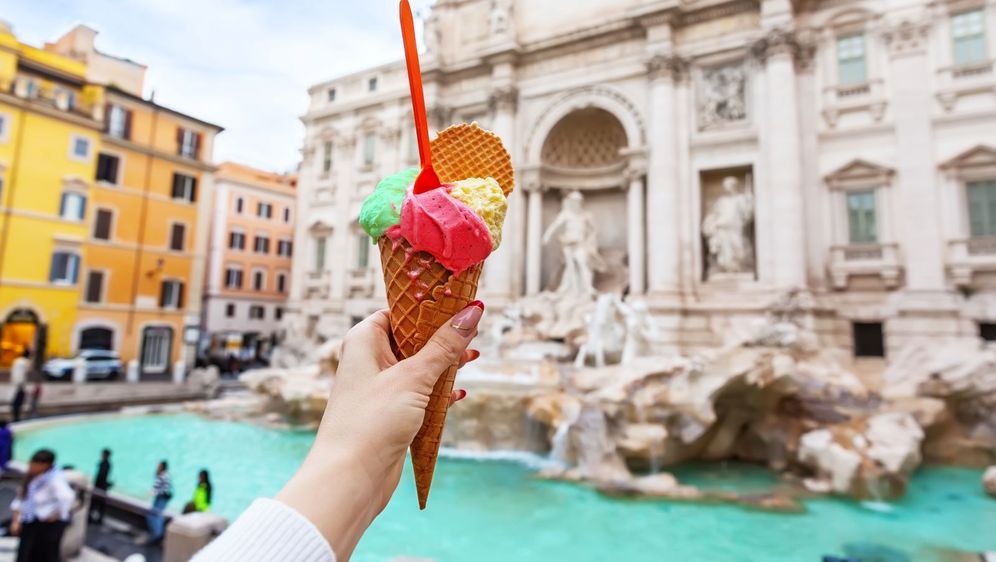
x=249 y=260
x=728 y=151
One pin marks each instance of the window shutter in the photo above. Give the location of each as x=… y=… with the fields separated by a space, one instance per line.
x=127 y=129
x=112 y=168
x=107 y=116
x=179 y=140
x=197 y=145
x=162 y=294
x=179 y=295
x=193 y=190
x=62 y=205
x=176 y=186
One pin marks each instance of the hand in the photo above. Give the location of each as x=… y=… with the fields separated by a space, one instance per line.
x=375 y=409
x=15 y=526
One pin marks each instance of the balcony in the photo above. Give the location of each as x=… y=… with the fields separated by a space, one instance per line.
x=360 y=282
x=317 y=284
x=865 y=97
x=60 y=99
x=865 y=260
x=954 y=82
x=968 y=257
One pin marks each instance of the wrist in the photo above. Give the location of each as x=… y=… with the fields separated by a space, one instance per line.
x=335 y=492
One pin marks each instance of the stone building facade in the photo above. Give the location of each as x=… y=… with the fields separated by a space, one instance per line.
x=729 y=151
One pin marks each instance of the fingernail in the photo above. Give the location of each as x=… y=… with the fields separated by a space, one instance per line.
x=478 y=304
x=474 y=354
x=466 y=320
x=462 y=395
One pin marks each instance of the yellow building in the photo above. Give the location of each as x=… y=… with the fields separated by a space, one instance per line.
x=147 y=185
x=49 y=138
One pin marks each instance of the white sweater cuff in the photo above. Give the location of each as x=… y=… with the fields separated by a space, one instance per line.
x=268 y=531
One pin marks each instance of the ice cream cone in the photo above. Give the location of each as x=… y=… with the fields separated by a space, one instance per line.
x=422 y=294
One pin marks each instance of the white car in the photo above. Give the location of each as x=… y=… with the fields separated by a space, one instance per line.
x=100 y=365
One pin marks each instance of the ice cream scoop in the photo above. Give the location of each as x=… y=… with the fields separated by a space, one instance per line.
x=487 y=200
x=382 y=208
x=438 y=223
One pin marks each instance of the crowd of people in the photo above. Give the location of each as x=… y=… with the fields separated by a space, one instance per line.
x=45 y=502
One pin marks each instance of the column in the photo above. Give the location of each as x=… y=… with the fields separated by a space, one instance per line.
x=635 y=231
x=534 y=238
x=501 y=268
x=781 y=147
x=662 y=216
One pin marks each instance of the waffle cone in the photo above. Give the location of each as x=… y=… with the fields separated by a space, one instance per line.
x=422 y=294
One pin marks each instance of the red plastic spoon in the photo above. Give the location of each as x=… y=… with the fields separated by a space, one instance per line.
x=427 y=178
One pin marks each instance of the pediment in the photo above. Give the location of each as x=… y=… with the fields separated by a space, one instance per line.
x=859 y=172
x=320 y=226
x=981 y=155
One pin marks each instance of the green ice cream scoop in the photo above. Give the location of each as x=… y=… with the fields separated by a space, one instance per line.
x=382 y=209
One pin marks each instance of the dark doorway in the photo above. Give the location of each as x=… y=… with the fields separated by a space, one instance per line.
x=869 y=339
x=97 y=338
x=987 y=331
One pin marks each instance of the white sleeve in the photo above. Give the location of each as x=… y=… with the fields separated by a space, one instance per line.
x=268 y=531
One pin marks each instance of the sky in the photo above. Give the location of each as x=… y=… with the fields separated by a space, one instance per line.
x=243 y=64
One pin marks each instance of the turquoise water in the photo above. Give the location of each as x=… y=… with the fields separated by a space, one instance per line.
x=494 y=511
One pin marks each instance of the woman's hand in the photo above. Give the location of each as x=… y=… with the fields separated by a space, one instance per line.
x=375 y=409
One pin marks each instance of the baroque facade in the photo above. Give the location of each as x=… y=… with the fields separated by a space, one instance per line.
x=730 y=152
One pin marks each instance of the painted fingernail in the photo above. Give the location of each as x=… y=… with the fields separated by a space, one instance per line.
x=474 y=354
x=467 y=319
x=478 y=304
x=461 y=394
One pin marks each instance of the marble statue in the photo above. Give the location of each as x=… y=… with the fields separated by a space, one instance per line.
x=501 y=16
x=642 y=331
x=726 y=230
x=579 y=245
x=723 y=94
x=603 y=330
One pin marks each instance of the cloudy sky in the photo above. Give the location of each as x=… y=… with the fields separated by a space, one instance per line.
x=243 y=64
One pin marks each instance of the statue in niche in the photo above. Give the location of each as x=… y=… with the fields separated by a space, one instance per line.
x=500 y=19
x=727 y=230
x=579 y=245
x=724 y=96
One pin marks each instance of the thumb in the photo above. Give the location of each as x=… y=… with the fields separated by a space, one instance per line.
x=446 y=346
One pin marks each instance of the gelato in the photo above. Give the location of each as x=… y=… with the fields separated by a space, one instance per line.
x=487 y=199
x=382 y=209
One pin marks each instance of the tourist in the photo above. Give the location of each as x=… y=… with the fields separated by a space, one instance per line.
x=6 y=444
x=101 y=482
x=17 y=404
x=41 y=510
x=375 y=410
x=162 y=492
x=202 y=494
x=36 y=394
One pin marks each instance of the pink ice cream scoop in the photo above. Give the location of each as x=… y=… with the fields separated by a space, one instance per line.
x=437 y=223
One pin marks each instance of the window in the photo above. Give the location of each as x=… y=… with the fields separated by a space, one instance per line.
x=236 y=240
x=171 y=294
x=230 y=310
x=240 y=204
x=177 y=237
x=79 y=148
x=369 y=148
x=187 y=142
x=118 y=121
x=107 y=168
x=869 y=339
x=968 y=32
x=327 y=157
x=257 y=312
x=320 y=253
x=372 y=84
x=331 y=94
x=261 y=245
x=258 y=280
x=281 y=283
x=4 y=127
x=264 y=210
x=73 y=206
x=987 y=331
x=94 y=287
x=156 y=345
x=982 y=208
x=233 y=278
x=102 y=224
x=184 y=187
x=362 y=251
x=287 y=214
x=64 y=269
x=851 y=59
x=285 y=248
x=65 y=99
x=278 y=313
x=861 y=217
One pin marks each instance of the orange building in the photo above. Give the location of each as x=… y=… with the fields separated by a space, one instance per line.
x=142 y=277
x=249 y=260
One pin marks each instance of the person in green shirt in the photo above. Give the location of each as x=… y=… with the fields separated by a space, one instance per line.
x=202 y=494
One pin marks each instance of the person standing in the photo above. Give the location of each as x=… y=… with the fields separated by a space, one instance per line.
x=36 y=394
x=17 y=404
x=41 y=510
x=6 y=444
x=202 y=494
x=162 y=492
x=101 y=482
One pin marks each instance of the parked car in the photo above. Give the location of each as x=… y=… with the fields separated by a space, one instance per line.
x=100 y=365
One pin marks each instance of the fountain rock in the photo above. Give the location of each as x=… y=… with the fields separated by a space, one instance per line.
x=300 y=394
x=989 y=481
